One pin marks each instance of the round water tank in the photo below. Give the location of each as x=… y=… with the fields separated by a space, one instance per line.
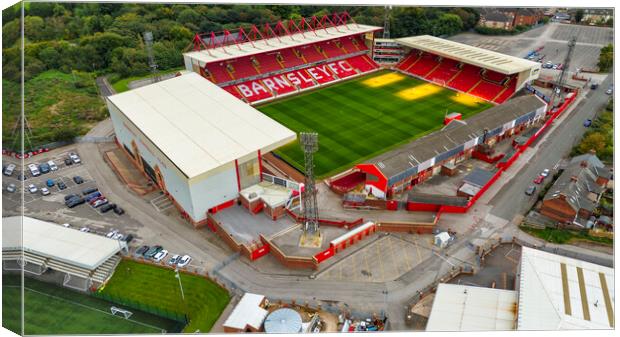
x=283 y=320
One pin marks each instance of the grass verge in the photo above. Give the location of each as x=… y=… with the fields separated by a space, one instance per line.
x=562 y=236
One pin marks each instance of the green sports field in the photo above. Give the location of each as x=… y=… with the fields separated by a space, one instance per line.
x=363 y=117
x=51 y=309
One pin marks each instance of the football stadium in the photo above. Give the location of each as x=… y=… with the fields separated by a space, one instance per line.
x=263 y=85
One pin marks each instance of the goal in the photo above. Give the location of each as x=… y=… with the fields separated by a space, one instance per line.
x=126 y=313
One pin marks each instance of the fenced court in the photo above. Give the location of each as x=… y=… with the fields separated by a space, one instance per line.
x=50 y=309
x=157 y=290
x=363 y=117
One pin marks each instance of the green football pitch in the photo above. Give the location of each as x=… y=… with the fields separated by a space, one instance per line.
x=52 y=310
x=361 y=118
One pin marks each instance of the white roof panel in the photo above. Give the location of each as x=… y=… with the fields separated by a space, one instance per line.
x=85 y=250
x=560 y=293
x=273 y=44
x=468 y=308
x=247 y=312
x=501 y=63
x=198 y=125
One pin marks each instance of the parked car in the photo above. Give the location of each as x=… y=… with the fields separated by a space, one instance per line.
x=118 y=236
x=539 y=180
x=45 y=191
x=92 y=196
x=609 y=91
x=184 y=261
x=61 y=185
x=587 y=123
x=78 y=180
x=111 y=233
x=174 y=259
x=44 y=168
x=545 y=173
x=152 y=251
x=11 y=188
x=100 y=202
x=74 y=158
x=140 y=251
x=34 y=170
x=530 y=190
x=128 y=238
x=66 y=225
x=32 y=188
x=74 y=202
x=89 y=190
x=52 y=165
x=21 y=177
x=160 y=255
x=118 y=210
x=594 y=85
x=107 y=208
x=8 y=170
x=93 y=200
x=68 y=162
x=71 y=196
x=85 y=229
x=50 y=182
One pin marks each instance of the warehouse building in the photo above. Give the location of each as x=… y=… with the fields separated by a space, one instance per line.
x=197 y=142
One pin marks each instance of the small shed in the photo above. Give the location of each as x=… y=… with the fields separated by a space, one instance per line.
x=442 y=239
x=248 y=314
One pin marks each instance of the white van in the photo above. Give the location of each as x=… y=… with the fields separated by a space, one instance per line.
x=34 y=170
x=53 y=166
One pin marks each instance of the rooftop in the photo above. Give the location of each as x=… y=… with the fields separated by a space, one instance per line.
x=276 y=43
x=468 y=308
x=50 y=240
x=248 y=312
x=561 y=293
x=197 y=125
x=480 y=57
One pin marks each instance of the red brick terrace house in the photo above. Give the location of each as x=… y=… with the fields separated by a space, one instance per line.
x=576 y=193
x=526 y=16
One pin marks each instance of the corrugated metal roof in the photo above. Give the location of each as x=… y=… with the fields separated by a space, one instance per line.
x=467 y=308
x=484 y=58
x=274 y=44
x=198 y=125
x=84 y=250
x=247 y=312
x=561 y=293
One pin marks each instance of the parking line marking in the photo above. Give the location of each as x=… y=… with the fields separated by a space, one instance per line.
x=393 y=255
x=380 y=262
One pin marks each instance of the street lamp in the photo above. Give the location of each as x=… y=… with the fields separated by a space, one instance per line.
x=180 y=284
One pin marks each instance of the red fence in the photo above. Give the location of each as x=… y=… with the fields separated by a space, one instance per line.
x=501 y=166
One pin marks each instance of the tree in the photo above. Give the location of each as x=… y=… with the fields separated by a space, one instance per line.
x=606 y=58
x=578 y=15
x=448 y=24
x=593 y=141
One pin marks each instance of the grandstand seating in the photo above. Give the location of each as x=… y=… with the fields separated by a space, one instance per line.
x=231 y=89
x=322 y=74
x=311 y=54
x=426 y=63
x=268 y=63
x=331 y=49
x=279 y=84
x=508 y=92
x=486 y=90
x=290 y=59
x=494 y=76
x=466 y=79
x=444 y=72
x=218 y=72
x=363 y=63
x=408 y=61
x=244 y=68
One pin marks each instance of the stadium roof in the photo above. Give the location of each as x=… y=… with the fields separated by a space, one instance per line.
x=85 y=250
x=454 y=134
x=248 y=312
x=198 y=125
x=560 y=293
x=276 y=43
x=480 y=57
x=467 y=308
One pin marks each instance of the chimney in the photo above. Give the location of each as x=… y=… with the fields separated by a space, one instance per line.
x=573 y=179
x=583 y=163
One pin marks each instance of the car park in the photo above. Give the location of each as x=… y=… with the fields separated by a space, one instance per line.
x=52 y=165
x=530 y=190
x=545 y=173
x=539 y=180
x=61 y=185
x=8 y=170
x=160 y=255
x=184 y=261
x=118 y=210
x=152 y=251
x=11 y=188
x=78 y=180
x=140 y=251
x=68 y=162
x=174 y=259
x=45 y=191
x=34 y=170
x=44 y=168
x=50 y=182
x=32 y=189
x=74 y=158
